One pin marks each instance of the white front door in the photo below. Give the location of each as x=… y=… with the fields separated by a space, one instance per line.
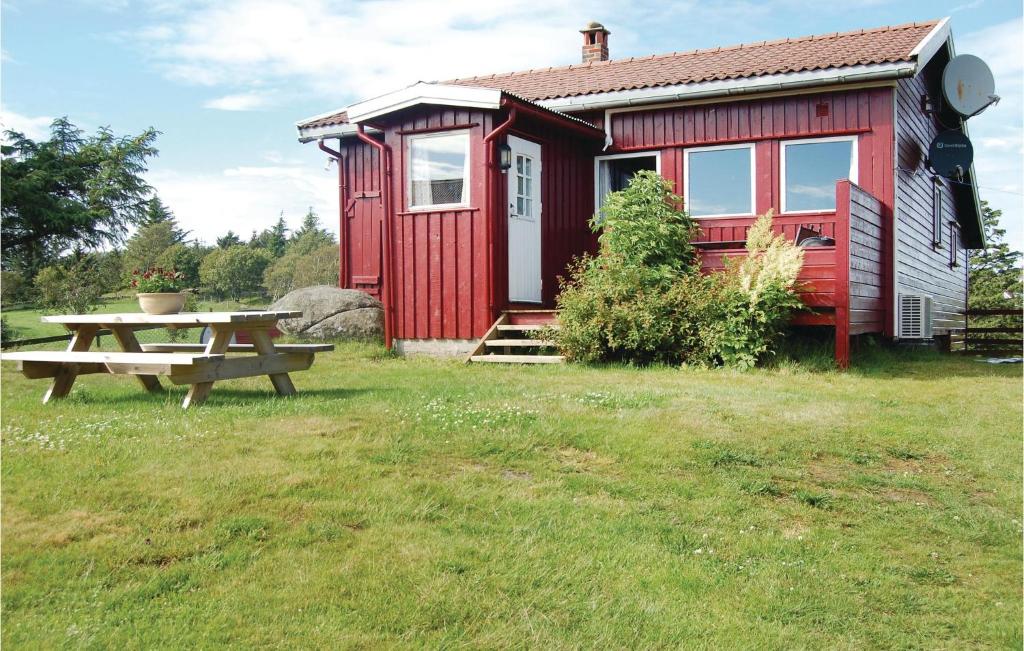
x=524 y=213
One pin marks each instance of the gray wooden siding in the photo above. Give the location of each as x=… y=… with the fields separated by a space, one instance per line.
x=920 y=267
x=867 y=272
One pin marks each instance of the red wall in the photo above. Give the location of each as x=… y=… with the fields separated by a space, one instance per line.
x=442 y=262
x=866 y=113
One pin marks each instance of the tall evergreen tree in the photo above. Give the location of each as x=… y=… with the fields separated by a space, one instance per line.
x=70 y=190
x=995 y=271
x=310 y=236
x=228 y=240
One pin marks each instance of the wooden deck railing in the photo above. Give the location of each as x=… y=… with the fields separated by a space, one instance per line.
x=843 y=284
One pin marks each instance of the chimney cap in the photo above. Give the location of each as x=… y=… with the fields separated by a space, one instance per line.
x=594 y=26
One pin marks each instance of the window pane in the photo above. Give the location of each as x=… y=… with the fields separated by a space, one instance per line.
x=719 y=182
x=437 y=169
x=812 y=170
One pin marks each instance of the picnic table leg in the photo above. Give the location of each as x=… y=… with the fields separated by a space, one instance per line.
x=126 y=339
x=218 y=345
x=65 y=378
x=265 y=346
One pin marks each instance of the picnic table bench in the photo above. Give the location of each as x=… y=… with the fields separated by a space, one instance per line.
x=198 y=365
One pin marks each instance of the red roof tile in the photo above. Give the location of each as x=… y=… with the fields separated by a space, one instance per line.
x=837 y=50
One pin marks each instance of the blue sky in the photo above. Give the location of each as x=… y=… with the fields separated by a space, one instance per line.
x=225 y=81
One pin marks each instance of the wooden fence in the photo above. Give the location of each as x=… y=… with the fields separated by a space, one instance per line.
x=994 y=340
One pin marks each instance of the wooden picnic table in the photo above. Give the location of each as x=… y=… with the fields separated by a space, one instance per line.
x=198 y=365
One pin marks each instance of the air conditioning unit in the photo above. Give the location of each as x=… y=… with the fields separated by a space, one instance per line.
x=915 y=316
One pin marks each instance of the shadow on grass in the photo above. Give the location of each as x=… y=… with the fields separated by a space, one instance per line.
x=219 y=397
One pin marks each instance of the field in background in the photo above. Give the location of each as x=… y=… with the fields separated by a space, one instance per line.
x=422 y=503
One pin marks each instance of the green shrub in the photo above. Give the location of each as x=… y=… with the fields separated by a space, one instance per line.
x=757 y=294
x=643 y=299
x=234 y=271
x=75 y=286
x=13 y=287
x=186 y=258
x=645 y=228
x=297 y=269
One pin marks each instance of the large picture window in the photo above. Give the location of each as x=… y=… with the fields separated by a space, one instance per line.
x=719 y=181
x=438 y=170
x=810 y=170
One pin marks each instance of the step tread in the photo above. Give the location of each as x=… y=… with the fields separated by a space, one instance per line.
x=540 y=343
x=518 y=359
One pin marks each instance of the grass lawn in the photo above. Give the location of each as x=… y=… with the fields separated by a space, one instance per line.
x=424 y=503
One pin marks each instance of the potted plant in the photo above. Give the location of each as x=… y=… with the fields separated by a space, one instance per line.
x=159 y=290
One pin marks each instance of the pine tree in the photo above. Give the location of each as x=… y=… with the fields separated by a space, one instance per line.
x=228 y=240
x=995 y=271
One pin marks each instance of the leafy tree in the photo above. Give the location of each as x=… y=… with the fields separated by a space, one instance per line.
x=234 y=271
x=310 y=236
x=70 y=190
x=75 y=285
x=295 y=270
x=995 y=272
x=273 y=239
x=12 y=287
x=186 y=258
x=148 y=244
x=228 y=240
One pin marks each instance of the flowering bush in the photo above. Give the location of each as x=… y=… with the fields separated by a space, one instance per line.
x=157 y=280
x=643 y=298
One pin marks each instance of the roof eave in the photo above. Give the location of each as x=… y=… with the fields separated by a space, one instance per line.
x=732 y=87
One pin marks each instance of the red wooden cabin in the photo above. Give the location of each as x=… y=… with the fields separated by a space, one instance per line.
x=463 y=200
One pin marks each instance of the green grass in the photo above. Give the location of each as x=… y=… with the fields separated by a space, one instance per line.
x=420 y=503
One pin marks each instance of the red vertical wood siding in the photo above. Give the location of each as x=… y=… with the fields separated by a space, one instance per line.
x=440 y=256
x=864 y=113
x=361 y=220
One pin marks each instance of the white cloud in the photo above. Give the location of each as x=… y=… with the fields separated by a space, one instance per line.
x=998 y=133
x=239 y=102
x=246 y=198
x=34 y=127
x=345 y=50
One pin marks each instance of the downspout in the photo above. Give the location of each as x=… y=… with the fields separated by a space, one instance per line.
x=342 y=207
x=385 y=192
x=491 y=214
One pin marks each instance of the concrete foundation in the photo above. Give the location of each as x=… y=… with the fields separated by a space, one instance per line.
x=435 y=347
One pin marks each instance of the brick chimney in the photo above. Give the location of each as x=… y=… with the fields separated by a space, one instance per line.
x=595 y=42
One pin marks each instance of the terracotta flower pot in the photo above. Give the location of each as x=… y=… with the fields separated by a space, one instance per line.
x=162 y=302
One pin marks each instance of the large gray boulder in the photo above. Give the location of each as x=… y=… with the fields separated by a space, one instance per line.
x=332 y=313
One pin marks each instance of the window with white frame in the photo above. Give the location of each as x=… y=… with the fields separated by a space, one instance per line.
x=937 y=213
x=810 y=170
x=719 y=181
x=614 y=172
x=524 y=185
x=438 y=169
x=954 y=245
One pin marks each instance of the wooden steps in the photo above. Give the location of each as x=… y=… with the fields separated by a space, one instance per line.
x=513 y=339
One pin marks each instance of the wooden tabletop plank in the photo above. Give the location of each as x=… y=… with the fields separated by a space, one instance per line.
x=194 y=318
x=66 y=356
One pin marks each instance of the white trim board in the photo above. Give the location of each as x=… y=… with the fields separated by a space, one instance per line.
x=424 y=93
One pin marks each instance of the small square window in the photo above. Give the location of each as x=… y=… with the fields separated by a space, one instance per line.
x=438 y=170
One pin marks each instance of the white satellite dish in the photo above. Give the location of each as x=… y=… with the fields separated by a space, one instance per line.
x=968 y=86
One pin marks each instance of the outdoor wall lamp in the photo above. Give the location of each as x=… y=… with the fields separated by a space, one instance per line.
x=504 y=158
